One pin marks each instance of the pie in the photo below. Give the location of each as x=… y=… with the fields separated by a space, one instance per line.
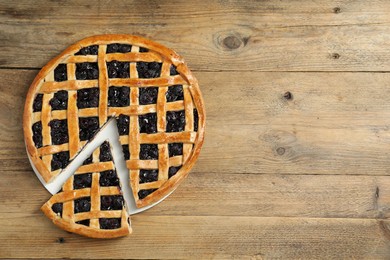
x=145 y=86
x=91 y=202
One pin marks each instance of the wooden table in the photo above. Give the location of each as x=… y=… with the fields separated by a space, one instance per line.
x=296 y=161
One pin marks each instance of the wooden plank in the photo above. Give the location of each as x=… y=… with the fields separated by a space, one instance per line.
x=203 y=237
x=245 y=35
x=222 y=194
x=336 y=123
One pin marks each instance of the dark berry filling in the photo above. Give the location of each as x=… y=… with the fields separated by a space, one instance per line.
x=59 y=100
x=82 y=181
x=88 y=160
x=89 y=50
x=105 y=152
x=37 y=134
x=118 y=96
x=37 y=105
x=148 y=69
x=87 y=70
x=148 y=176
x=111 y=202
x=148 y=152
x=148 y=123
x=148 y=95
x=175 y=93
x=84 y=222
x=126 y=152
x=176 y=121
x=173 y=71
x=82 y=205
x=59 y=131
x=123 y=124
x=116 y=47
x=88 y=126
x=175 y=149
x=60 y=73
x=196 y=119
x=87 y=97
x=117 y=69
x=142 y=49
x=173 y=170
x=110 y=223
x=57 y=208
x=60 y=160
x=108 y=178
x=143 y=193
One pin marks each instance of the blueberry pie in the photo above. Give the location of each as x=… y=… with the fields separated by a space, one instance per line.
x=147 y=87
x=90 y=202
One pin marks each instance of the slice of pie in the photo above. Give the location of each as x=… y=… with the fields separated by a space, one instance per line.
x=147 y=87
x=91 y=202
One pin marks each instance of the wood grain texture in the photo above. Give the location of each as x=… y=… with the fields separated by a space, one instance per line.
x=228 y=36
x=335 y=123
x=203 y=237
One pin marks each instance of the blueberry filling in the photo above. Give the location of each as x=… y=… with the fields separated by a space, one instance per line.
x=148 y=123
x=88 y=126
x=148 y=69
x=173 y=170
x=143 y=193
x=118 y=96
x=175 y=149
x=108 y=178
x=37 y=105
x=111 y=202
x=148 y=152
x=173 y=71
x=59 y=100
x=82 y=181
x=59 y=131
x=84 y=222
x=82 y=205
x=123 y=124
x=196 y=119
x=148 y=95
x=87 y=70
x=126 y=152
x=148 y=176
x=175 y=121
x=59 y=161
x=87 y=97
x=142 y=49
x=105 y=152
x=89 y=50
x=37 y=134
x=117 y=69
x=116 y=47
x=60 y=73
x=57 y=208
x=110 y=223
x=175 y=93
x=88 y=160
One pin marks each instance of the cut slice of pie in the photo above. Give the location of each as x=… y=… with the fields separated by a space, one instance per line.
x=147 y=87
x=91 y=202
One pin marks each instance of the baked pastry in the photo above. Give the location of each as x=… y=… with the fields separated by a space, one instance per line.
x=149 y=90
x=91 y=202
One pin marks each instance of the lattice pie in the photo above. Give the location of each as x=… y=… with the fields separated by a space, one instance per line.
x=148 y=89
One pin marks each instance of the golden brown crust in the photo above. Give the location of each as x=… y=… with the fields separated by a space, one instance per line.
x=192 y=99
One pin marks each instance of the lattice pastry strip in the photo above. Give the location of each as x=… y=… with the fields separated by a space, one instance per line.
x=91 y=202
